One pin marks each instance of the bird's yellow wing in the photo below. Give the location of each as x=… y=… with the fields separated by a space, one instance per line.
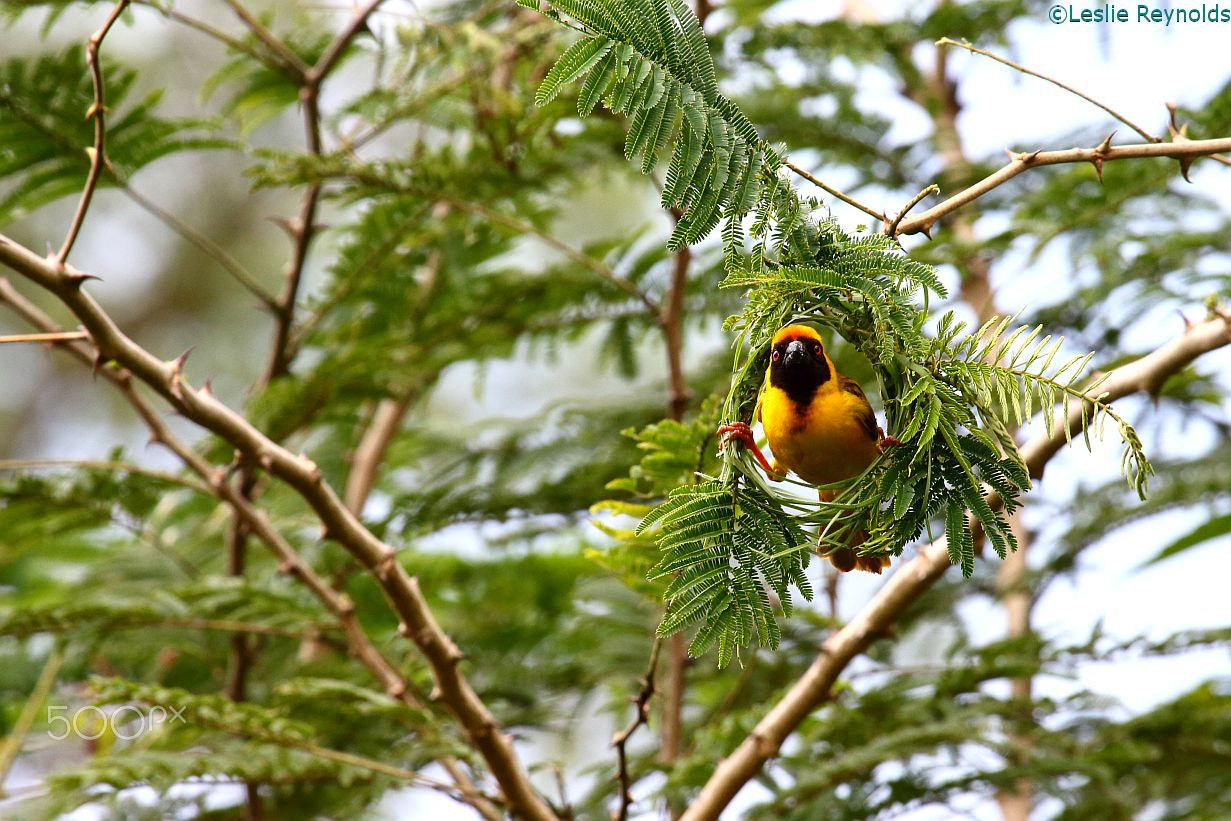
x=863 y=409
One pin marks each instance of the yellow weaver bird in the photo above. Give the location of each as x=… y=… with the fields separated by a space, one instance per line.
x=818 y=423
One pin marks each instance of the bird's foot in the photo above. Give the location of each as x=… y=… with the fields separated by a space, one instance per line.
x=883 y=441
x=740 y=431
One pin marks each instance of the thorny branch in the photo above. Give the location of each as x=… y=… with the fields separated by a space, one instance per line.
x=98 y=113
x=402 y=591
x=1184 y=151
x=303 y=228
x=216 y=482
x=641 y=703
x=914 y=578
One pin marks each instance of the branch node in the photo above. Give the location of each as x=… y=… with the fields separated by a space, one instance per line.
x=313 y=469
x=346 y=605
x=386 y=565
x=436 y=693
x=403 y=629
x=97 y=362
x=218 y=479
x=397 y=689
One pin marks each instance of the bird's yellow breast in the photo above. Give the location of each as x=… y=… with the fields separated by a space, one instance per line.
x=823 y=442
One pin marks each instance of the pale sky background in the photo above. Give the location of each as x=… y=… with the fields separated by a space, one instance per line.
x=1133 y=67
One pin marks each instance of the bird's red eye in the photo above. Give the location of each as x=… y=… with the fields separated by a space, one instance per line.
x=776 y=355
x=816 y=348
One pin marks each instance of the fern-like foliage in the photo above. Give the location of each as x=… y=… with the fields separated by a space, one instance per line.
x=44 y=131
x=727 y=541
x=649 y=59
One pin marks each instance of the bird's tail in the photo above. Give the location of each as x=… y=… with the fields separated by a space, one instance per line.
x=847 y=558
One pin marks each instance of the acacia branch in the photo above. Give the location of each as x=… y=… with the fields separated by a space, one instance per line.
x=1184 y=151
x=585 y=260
x=914 y=578
x=166 y=378
x=854 y=203
x=60 y=336
x=303 y=228
x=620 y=740
x=97 y=112
x=945 y=41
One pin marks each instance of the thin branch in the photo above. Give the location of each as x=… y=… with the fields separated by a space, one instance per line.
x=373 y=446
x=671 y=322
x=569 y=251
x=620 y=740
x=915 y=577
x=402 y=591
x=891 y=228
x=945 y=41
x=336 y=48
x=212 y=249
x=287 y=61
x=97 y=111
x=303 y=228
x=833 y=192
x=97 y=464
x=1019 y=163
x=359 y=644
x=218 y=34
x=29 y=712
x=63 y=336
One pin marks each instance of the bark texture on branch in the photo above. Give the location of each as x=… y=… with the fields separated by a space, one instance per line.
x=301 y=473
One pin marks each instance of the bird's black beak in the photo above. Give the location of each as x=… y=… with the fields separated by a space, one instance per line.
x=796 y=353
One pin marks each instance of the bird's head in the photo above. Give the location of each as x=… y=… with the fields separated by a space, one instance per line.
x=797 y=361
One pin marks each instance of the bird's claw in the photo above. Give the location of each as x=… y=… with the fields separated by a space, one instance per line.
x=743 y=433
x=883 y=441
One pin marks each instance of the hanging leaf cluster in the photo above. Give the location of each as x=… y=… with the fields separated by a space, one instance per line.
x=950 y=397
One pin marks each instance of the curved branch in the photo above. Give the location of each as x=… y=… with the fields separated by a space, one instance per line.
x=945 y=41
x=300 y=473
x=1184 y=151
x=97 y=112
x=915 y=577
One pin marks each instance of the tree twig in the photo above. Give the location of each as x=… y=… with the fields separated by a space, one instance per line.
x=891 y=228
x=212 y=249
x=833 y=192
x=97 y=112
x=915 y=577
x=96 y=464
x=1021 y=162
x=62 y=336
x=945 y=41
x=288 y=61
x=303 y=228
x=29 y=712
x=641 y=703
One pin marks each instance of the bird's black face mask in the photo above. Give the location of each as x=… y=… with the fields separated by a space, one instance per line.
x=798 y=368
